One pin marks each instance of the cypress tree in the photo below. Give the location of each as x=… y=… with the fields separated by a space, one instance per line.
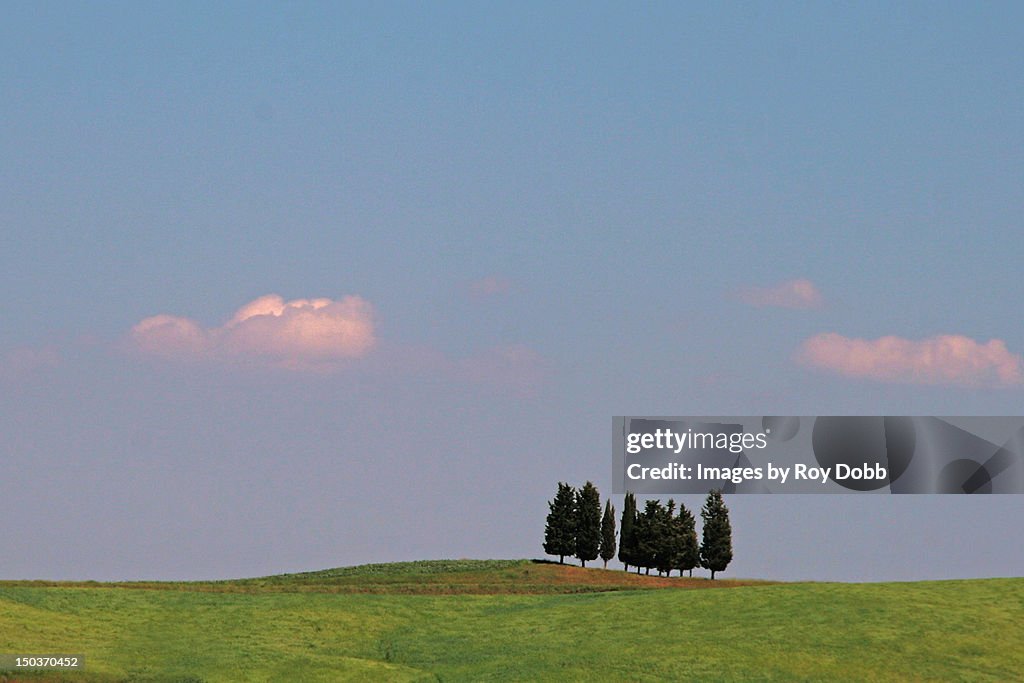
x=638 y=532
x=560 y=528
x=588 y=523
x=716 y=546
x=671 y=546
x=648 y=534
x=627 y=537
x=608 y=533
x=689 y=556
x=640 y=543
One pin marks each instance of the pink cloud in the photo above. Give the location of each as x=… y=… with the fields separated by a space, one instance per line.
x=944 y=359
x=489 y=286
x=324 y=335
x=168 y=335
x=799 y=294
x=302 y=334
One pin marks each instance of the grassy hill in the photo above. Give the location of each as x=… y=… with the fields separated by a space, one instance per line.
x=517 y=620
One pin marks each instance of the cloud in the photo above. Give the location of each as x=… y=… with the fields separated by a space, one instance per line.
x=945 y=359
x=798 y=294
x=302 y=334
x=492 y=285
x=168 y=335
x=323 y=335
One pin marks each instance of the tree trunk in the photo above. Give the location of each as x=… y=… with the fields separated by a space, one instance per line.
x=712 y=574
x=691 y=573
x=561 y=559
x=605 y=564
x=583 y=563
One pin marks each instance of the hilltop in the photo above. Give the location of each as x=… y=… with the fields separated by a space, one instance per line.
x=429 y=577
x=516 y=620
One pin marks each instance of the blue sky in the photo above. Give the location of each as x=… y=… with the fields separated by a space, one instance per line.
x=548 y=216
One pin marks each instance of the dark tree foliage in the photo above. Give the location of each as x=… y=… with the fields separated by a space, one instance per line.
x=627 y=535
x=689 y=556
x=655 y=538
x=608 y=533
x=588 y=523
x=640 y=533
x=670 y=547
x=648 y=532
x=560 y=528
x=716 y=546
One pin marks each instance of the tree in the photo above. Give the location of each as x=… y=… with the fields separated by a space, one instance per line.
x=560 y=528
x=588 y=523
x=689 y=556
x=627 y=537
x=608 y=533
x=670 y=546
x=648 y=533
x=716 y=546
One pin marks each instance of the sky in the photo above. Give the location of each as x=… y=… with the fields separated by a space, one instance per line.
x=302 y=286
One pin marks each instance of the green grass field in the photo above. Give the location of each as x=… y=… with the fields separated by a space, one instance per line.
x=517 y=620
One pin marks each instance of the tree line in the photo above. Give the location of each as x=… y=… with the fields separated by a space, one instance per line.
x=659 y=537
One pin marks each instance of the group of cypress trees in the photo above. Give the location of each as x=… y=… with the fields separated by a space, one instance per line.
x=575 y=526
x=658 y=537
